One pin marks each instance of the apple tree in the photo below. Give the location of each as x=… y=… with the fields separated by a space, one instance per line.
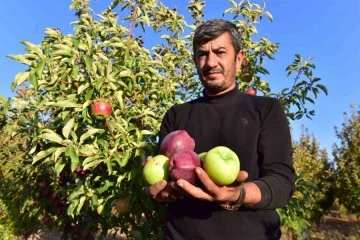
x=85 y=161
x=314 y=189
x=347 y=159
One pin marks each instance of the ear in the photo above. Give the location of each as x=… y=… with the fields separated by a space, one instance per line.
x=239 y=59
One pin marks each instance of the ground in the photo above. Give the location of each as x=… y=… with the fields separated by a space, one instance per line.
x=333 y=226
x=337 y=227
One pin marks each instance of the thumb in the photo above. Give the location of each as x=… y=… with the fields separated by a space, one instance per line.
x=144 y=161
x=242 y=176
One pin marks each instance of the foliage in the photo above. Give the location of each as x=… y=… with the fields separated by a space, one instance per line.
x=347 y=159
x=313 y=163
x=68 y=169
x=314 y=191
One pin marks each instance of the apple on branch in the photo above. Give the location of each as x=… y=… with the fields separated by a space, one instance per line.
x=101 y=109
x=222 y=165
x=251 y=91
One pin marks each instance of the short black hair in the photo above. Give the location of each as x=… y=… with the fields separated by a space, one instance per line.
x=212 y=29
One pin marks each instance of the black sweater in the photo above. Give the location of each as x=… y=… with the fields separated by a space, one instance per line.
x=255 y=128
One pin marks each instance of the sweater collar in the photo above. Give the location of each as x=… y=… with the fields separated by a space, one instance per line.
x=225 y=97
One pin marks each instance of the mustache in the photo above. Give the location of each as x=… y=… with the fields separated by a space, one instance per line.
x=212 y=70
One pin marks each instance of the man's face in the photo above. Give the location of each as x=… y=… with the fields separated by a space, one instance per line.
x=217 y=63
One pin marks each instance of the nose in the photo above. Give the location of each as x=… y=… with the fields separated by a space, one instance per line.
x=211 y=61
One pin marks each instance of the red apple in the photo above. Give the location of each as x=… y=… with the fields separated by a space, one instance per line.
x=182 y=165
x=43 y=186
x=251 y=91
x=46 y=220
x=176 y=141
x=122 y=205
x=101 y=109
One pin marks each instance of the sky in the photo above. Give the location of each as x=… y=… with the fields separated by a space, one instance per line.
x=328 y=30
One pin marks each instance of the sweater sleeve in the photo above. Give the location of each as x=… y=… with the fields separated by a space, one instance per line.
x=276 y=176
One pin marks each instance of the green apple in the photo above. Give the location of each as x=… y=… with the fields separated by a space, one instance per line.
x=222 y=165
x=156 y=169
x=202 y=155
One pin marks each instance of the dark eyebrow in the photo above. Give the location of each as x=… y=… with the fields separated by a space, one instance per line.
x=215 y=50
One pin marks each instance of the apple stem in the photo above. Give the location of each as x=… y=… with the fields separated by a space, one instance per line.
x=110 y=130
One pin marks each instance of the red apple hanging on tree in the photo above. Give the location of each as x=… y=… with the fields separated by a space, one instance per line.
x=251 y=91
x=101 y=109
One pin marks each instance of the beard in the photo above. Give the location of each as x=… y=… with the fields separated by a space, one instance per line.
x=213 y=87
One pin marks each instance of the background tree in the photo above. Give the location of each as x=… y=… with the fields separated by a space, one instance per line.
x=347 y=159
x=314 y=192
x=87 y=165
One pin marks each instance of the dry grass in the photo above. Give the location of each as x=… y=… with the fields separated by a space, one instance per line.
x=333 y=226
x=337 y=227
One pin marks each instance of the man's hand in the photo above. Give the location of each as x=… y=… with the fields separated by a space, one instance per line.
x=162 y=190
x=210 y=191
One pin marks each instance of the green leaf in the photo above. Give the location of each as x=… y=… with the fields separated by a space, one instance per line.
x=146 y=132
x=81 y=204
x=64 y=104
x=33 y=48
x=40 y=68
x=19 y=79
x=59 y=166
x=92 y=164
x=62 y=53
x=323 y=88
x=105 y=186
x=71 y=152
x=124 y=159
x=43 y=154
x=33 y=79
x=52 y=136
x=88 y=150
x=58 y=152
x=83 y=87
x=67 y=128
x=70 y=210
x=20 y=58
x=89 y=133
x=77 y=192
x=268 y=14
x=109 y=167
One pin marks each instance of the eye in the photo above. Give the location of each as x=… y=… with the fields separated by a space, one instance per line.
x=201 y=54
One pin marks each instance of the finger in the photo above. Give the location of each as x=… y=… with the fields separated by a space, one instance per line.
x=242 y=176
x=208 y=184
x=154 y=190
x=144 y=161
x=193 y=191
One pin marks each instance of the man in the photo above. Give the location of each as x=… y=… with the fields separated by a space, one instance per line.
x=254 y=127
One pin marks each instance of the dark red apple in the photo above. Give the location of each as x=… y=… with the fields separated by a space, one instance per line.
x=176 y=141
x=43 y=185
x=46 y=220
x=101 y=109
x=182 y=166
x=251 y=91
